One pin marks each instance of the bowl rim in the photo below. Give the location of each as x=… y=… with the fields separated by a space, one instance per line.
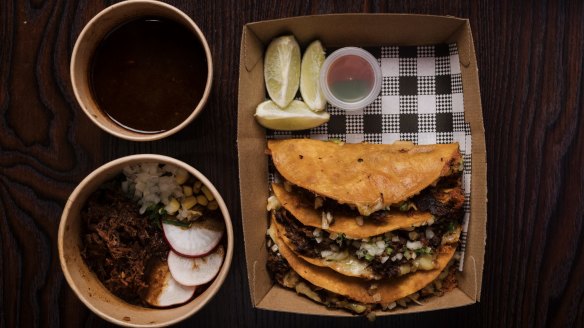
x=135 y=136
x=219 y=278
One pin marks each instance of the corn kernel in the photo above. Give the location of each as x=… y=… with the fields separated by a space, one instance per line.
x=207 y=193
x=172 y=206
x=187 y=191
x=201 y=199
x=197 y=187
x=181 y=175
x=212 y=205
x=189 y=202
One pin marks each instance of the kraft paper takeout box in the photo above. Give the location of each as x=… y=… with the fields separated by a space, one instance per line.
x=336 y=31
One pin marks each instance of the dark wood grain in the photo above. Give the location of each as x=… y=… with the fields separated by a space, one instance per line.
x=531 y=67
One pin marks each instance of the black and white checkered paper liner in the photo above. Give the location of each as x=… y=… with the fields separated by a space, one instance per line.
x=420 y=101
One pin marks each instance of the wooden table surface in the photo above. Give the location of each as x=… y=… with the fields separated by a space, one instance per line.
x=531 y=61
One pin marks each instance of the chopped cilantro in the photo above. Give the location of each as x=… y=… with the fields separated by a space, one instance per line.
x=177 y=223
x=423 y=250
x=155 y=213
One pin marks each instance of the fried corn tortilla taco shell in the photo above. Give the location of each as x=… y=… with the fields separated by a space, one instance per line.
x=358 y=289
x=369 y=176
x=347 y=224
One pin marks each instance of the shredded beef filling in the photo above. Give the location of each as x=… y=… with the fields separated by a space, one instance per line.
x=445 y=200
x=302 y=236
x=305 y=243
x=277 y=266
x=120 y=245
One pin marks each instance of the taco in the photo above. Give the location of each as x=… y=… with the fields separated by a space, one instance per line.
x=374 y=257
x=360 y=296
x=371 y=177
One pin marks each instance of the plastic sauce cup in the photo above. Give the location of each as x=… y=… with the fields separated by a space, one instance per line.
x=350 y=78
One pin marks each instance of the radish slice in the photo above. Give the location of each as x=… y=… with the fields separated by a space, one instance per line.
x=195 y=271
x=197 y=240
x=164 y=290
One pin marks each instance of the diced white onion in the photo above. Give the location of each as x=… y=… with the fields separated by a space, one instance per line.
x=273 y=203
x=380 y=243
x=329 y=217
x=359 y=220
x=413 y=245
x=397 y=257
x=334 y=256
x=325 y=253
x=150 y=187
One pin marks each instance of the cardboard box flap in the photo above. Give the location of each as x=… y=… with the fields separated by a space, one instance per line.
x=471 y=281
x=252 y=49
x=361 y=29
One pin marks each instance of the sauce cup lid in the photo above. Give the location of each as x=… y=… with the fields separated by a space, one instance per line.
x=373 y=90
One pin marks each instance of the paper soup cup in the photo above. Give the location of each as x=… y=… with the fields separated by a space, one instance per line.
x=85 y=283
x=91 y=37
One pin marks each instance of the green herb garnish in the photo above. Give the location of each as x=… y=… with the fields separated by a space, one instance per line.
x=423 y=250
x=155 y=213
x=177 y=223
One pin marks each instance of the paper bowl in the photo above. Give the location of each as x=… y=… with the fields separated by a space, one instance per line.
x=86 y=284
x=90 y=38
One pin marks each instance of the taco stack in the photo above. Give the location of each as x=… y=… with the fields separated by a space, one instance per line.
x=365 y=226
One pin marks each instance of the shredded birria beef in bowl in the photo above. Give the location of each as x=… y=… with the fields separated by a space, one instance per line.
x=119 y=244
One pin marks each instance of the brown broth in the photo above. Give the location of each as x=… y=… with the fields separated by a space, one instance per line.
x=148 y=75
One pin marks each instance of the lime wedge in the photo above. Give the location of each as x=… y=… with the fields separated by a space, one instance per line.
x=297 y=116
x=310 y=77
x=282 y=69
